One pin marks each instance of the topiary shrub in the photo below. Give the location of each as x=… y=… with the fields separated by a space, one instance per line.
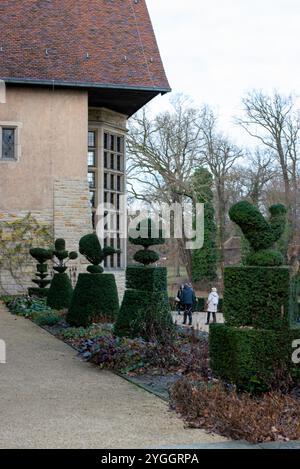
x=260 y=233
x=145 y=310
x=42 y=256
x=252 y=348
x=257 y=296
x=95 y=297
x=204 y=260
x=60 y=292
x=247 y=357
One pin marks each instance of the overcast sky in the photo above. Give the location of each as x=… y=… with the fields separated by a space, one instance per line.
x=216 y=50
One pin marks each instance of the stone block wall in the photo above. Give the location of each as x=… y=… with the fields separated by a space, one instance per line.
x=70 y=219
x=17 y=282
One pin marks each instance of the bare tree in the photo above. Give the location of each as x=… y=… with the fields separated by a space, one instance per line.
x=163 y=154
x=274 y=121
x=257 y=174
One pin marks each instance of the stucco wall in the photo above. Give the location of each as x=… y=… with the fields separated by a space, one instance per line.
x=53 y=140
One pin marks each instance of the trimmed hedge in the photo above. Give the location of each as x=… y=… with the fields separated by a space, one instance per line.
x=145 y=310
x=60 y=292
x=257 y=297
x=95 y=298
x=147 y=279
x=247 y=357
x=144 y=314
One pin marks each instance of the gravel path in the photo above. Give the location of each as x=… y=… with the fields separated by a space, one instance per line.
x=51 y=399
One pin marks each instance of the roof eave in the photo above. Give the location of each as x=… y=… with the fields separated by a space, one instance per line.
x=76 y=84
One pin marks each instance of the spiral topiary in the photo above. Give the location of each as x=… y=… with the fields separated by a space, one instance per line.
x=95 y=297
x=60 y=292
x=41 y=255
x=261 y=234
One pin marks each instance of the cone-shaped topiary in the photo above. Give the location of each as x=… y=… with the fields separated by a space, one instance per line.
x=60 y=292
x=42 y=256
x=145 y=310
x=95 y=297
x=260 y=233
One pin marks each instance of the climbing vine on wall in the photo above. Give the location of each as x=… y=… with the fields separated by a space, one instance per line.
x=17 y=236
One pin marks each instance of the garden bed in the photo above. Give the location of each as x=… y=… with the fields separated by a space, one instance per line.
x=177 y=370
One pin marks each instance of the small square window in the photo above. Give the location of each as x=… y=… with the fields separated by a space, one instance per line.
x=112 y=143
x=119 y=144
x=112 y=198
x=91 y=179
x=112 y=161
x=92 y=139
x=119 y=183
x=92 y=199
x=106 y=141
x=8 y=150
x=91 y=158
x=119 y=162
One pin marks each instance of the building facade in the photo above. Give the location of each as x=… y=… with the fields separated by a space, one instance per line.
x=74 y=72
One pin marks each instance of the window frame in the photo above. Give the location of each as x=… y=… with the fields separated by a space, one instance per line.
x=17 y=146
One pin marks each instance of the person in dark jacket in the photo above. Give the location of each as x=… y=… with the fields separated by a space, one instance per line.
x=179 y=304
x=188 y=299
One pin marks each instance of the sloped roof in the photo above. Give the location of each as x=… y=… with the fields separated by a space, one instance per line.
x=93 y=43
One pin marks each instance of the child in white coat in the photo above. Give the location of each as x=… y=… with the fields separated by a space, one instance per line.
x=212 y=305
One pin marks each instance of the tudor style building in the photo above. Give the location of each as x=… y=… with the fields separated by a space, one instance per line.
x=74 y=71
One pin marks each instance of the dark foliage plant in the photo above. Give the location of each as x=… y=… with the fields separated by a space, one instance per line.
x=146 y=235
x=204 y=260
x=253 y=348
x=261 y=234
x=60 y=292
x=145 y=309
x=95 y=297
x=42 y=256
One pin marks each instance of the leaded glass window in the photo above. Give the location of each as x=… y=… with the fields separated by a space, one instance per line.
x=8 y=144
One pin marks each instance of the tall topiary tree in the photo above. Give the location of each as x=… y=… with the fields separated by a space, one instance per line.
x=204 y=260
x=145 y=308
x=261 y=234
x=60 y=292
x=95 y=297
x=41 y=255
x=259 y=302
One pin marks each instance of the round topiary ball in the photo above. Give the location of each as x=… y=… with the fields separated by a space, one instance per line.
x=41 y=255
x=60 y=244
x=147 y=234
x=146 y=257
x=90 y=248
